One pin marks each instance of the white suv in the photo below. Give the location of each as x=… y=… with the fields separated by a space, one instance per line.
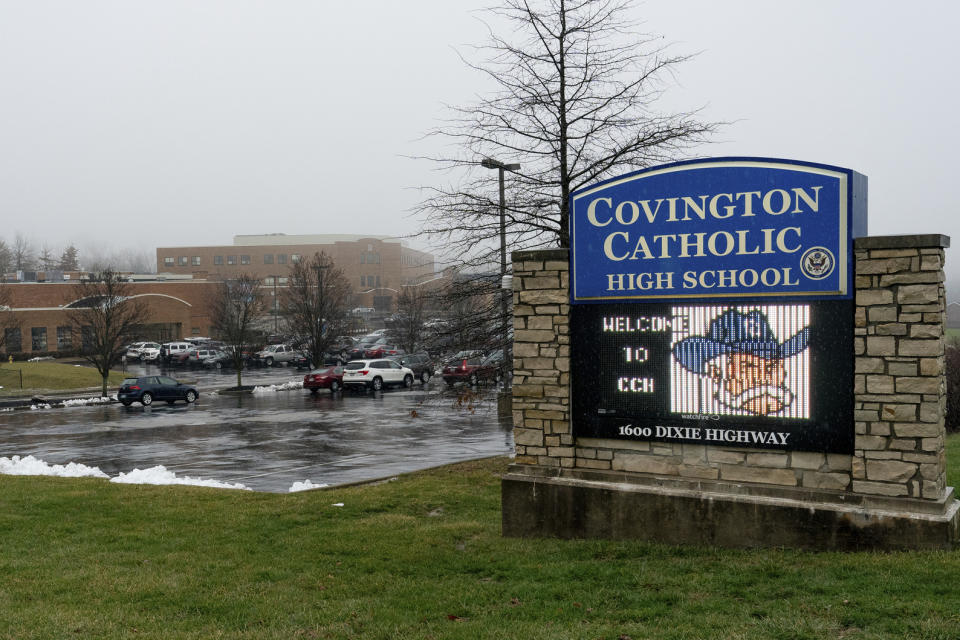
x=376 y=374
x=144 y=351
x=170 y=350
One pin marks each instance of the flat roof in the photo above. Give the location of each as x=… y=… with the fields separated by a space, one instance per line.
x=322 y=238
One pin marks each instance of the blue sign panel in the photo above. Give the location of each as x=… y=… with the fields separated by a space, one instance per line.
x=717 y=228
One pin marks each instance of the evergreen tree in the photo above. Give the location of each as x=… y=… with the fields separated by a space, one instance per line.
x=68 y=259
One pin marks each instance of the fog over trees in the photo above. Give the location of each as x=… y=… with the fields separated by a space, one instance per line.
x=19 y=252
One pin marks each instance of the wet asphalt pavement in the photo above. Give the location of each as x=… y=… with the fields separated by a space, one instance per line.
x=269 y=440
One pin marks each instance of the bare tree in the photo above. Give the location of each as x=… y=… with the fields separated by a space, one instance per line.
x=574 y=103
x=408 y=327
x=22 y=253
x=106 y=316
x=315 y=303
x=472 y=306
x=235 y=310
x=6 y=258
x=8 y=318
x=47 y=259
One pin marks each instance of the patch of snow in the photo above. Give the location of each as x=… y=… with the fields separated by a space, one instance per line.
x=306 y=485
x=286 y=386
x=76 y=402
x=30 y=466
x=160 y=475
x=42 y=405
x=337 y=504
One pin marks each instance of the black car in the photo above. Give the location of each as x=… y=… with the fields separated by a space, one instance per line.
x=146 y=389
x=305 y=361
x=420 y=363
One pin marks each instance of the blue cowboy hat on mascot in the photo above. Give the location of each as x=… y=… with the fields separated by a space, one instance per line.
x=737 y=332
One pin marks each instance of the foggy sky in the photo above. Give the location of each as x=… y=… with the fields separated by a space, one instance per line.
x=184 y=122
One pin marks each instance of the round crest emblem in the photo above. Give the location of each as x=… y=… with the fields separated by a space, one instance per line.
x=817 y=263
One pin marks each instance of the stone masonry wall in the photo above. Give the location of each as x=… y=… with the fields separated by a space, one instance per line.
x=899 y=386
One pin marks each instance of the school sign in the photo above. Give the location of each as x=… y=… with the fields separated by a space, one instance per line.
x=738 y=365
x=717 y=228
x=712 y=304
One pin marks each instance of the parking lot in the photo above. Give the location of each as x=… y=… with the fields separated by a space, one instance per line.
x=271 y=439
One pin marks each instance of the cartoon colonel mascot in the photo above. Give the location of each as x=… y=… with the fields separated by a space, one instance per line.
x=744 y=362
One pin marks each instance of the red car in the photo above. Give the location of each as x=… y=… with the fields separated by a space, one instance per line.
x=329 y=378
x=381 y=351
x=474 y=368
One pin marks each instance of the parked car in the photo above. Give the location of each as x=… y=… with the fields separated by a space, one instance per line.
x=342 y=343
x=143 y=351
x=196 y=357
x=275 y=354
x=473 y=369
x=382 y=350
x=218 y=360
x=150 y=353
x=146 y=389
x=359 y=349
x=305 y=361
x=376 y=374
x=169 y=350
x=328 y=378
x=420 y=363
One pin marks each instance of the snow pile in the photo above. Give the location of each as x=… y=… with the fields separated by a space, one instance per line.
x=77 y=402
x=160 y=475
x=306 y=485
x=286 y=386
x=30 y=466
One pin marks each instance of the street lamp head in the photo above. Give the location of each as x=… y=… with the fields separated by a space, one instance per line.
x=490 y=163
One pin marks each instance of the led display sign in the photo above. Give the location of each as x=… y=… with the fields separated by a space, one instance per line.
x=751 y=374
x=717 y=228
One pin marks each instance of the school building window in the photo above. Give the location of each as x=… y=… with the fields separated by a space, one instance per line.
x=182 y=261
x=281 y=258
x=168 y=261
x=244 y=259
x=13 y=340
x=64 y=338
x=268 y=258
x=195 y=261
x=38 y=338
x=217 y=260
x=231 y=259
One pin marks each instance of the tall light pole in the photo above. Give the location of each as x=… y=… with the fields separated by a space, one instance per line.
x=276 y=307
x=490 y=163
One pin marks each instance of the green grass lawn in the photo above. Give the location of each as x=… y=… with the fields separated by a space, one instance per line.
x=40 y=377
x=419 y=557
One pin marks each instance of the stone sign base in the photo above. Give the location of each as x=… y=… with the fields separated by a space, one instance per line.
x=550 y=502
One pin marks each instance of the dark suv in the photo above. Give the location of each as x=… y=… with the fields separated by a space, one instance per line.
x=420 y=363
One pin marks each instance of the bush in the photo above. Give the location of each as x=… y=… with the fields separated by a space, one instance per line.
x=952 y=366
